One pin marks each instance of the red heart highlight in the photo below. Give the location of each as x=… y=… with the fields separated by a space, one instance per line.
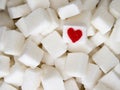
x=74 y=35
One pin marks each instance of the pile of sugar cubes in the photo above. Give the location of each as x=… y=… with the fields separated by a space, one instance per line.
x=59 y=44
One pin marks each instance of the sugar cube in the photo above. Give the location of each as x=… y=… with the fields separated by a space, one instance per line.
x=48 y=59
x=5 y=20
x=51 y=79
x=54 y=21
x=92 y=76
x=31 y=55
x=83 y=18
x=13 y=3
x=55 y=4
x=104 y=4
x=36 y=38
x=91 y=31
x=114 y=8
x=31 y=79
x=115 y=32
x=105 y=23
x=76 y=64
x=15 y=77
x=98 y=39
x=117 y=69
x=83 y=47
x=3 y=4
x=113 y=45
x=69 y=10
x=6 y=86
x=101 y=86
x=19 y=11
x=60 y=66
x=38 y=4
x=111 y=80
x=71 y=84
x=57 y=47
x=90 y=4
x=2 y=36
x=74 y=34
x=36 y=22
x=13 y=42
x=4 y=65
x=105 y=59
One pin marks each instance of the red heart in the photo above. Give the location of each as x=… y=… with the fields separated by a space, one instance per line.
x=74 y=35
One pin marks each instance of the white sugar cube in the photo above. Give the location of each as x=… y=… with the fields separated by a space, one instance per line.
x=71 y=84
x=19 y=11
x=101 y=86
x=3 y=4
x=13 y=42
x=90 y=4
x=114 y=46
x=48 y=59
x=104 y=4
x=69 y=10
x=13 y=3
x=60 y=66
x=54 y=21
x=111 y=80
x=5 y=20
x=98 y=39
x=105 y=59
x=117 y=69
x=83 y=18
x=54 y=44
x=6 y=86
x=35 y=4
x=51 y=79
x=55 y=4
x=2 y=36
x=85 y=47
x=115 y=32
x=36 y=38
x=31 y=79
x=101 y=22
x=76 y=64
x=36 y=22
x=15 y=76
x=91 y=31
x=114 y=8
x=74 y=34
x=31 y=55
x=92 y=76
x=4 y=65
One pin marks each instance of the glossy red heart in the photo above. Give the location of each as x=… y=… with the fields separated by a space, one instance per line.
x=74 y=35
